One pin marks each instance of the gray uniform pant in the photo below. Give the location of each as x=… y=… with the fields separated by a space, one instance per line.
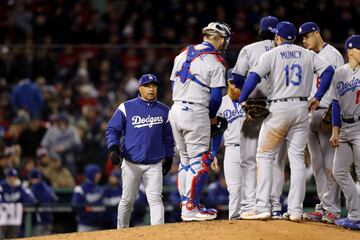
x=322 y=157
x=234 y=179
x=190 y=125
x=132 y=176
x=292 y=125
x=347 y=153
x=249 y=143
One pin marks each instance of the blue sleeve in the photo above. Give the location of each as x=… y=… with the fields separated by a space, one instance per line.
x=238 y=80
x=215 y=144
x=114 y=128
x=336 y=113
x=78 y=201
x=325 y=82
x=250 y=83
x=215 y=101
x=27 y=196
x=51 y=195
x=168 y=140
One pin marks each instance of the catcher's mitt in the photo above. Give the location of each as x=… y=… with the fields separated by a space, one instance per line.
x=326 y=117
x=220 y=127
x=255 y=109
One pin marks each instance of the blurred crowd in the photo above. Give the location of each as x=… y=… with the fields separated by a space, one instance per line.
x=66 y=65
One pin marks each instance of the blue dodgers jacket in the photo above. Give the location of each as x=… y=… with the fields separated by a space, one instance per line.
x=88 y=194
x=15 y=194
x=43 y=194
x=142 y=131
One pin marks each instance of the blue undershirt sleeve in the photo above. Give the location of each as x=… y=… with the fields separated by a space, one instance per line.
x=250 y=83
x=215 y=101
x=325 y=82
x=216 y=142
x=336 y=113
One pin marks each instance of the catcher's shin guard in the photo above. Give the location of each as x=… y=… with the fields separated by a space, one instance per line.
x=199 y=181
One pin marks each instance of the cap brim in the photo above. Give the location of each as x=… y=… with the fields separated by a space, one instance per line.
x=155 y=82
x=305 y=32
x=274 y=30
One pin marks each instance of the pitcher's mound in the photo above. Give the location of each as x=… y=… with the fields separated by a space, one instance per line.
x=215 y=230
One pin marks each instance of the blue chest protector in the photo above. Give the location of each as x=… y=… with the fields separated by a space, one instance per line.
x=184 y=74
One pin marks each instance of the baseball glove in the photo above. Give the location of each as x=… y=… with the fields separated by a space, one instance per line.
x=326 y=117
x=255 y=109
x=220 y=127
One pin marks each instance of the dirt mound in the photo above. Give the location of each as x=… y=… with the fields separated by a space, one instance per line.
x=256 y=230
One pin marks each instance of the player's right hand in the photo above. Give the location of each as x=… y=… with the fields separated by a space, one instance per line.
x=313 y=104
x=334 y=140
x=114 y=155
x=214 y=165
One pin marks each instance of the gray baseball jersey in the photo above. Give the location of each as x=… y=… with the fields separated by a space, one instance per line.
x=288 y=65
x=248 y=58
x=335 y=59
x=346 y=89
x=212 y=76
x=235 y=115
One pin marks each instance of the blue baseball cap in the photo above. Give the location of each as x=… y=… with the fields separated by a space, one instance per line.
x=352 y=42
x=11 y=172
x=286 y=30
x=230 y=76
x=34 y=173
x=268 y=23
x=308 y=27
x=91 y=170
x=148 y=78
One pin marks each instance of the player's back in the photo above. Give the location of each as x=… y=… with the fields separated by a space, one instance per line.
x=208 y=70
x=291 y=69
x=248 y=58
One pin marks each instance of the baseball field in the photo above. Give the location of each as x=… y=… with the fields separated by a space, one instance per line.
x=222 y=229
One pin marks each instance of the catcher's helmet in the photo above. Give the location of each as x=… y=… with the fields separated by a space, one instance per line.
x=219 y=28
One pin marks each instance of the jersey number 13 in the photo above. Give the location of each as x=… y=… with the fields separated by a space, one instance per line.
x=293 y=69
